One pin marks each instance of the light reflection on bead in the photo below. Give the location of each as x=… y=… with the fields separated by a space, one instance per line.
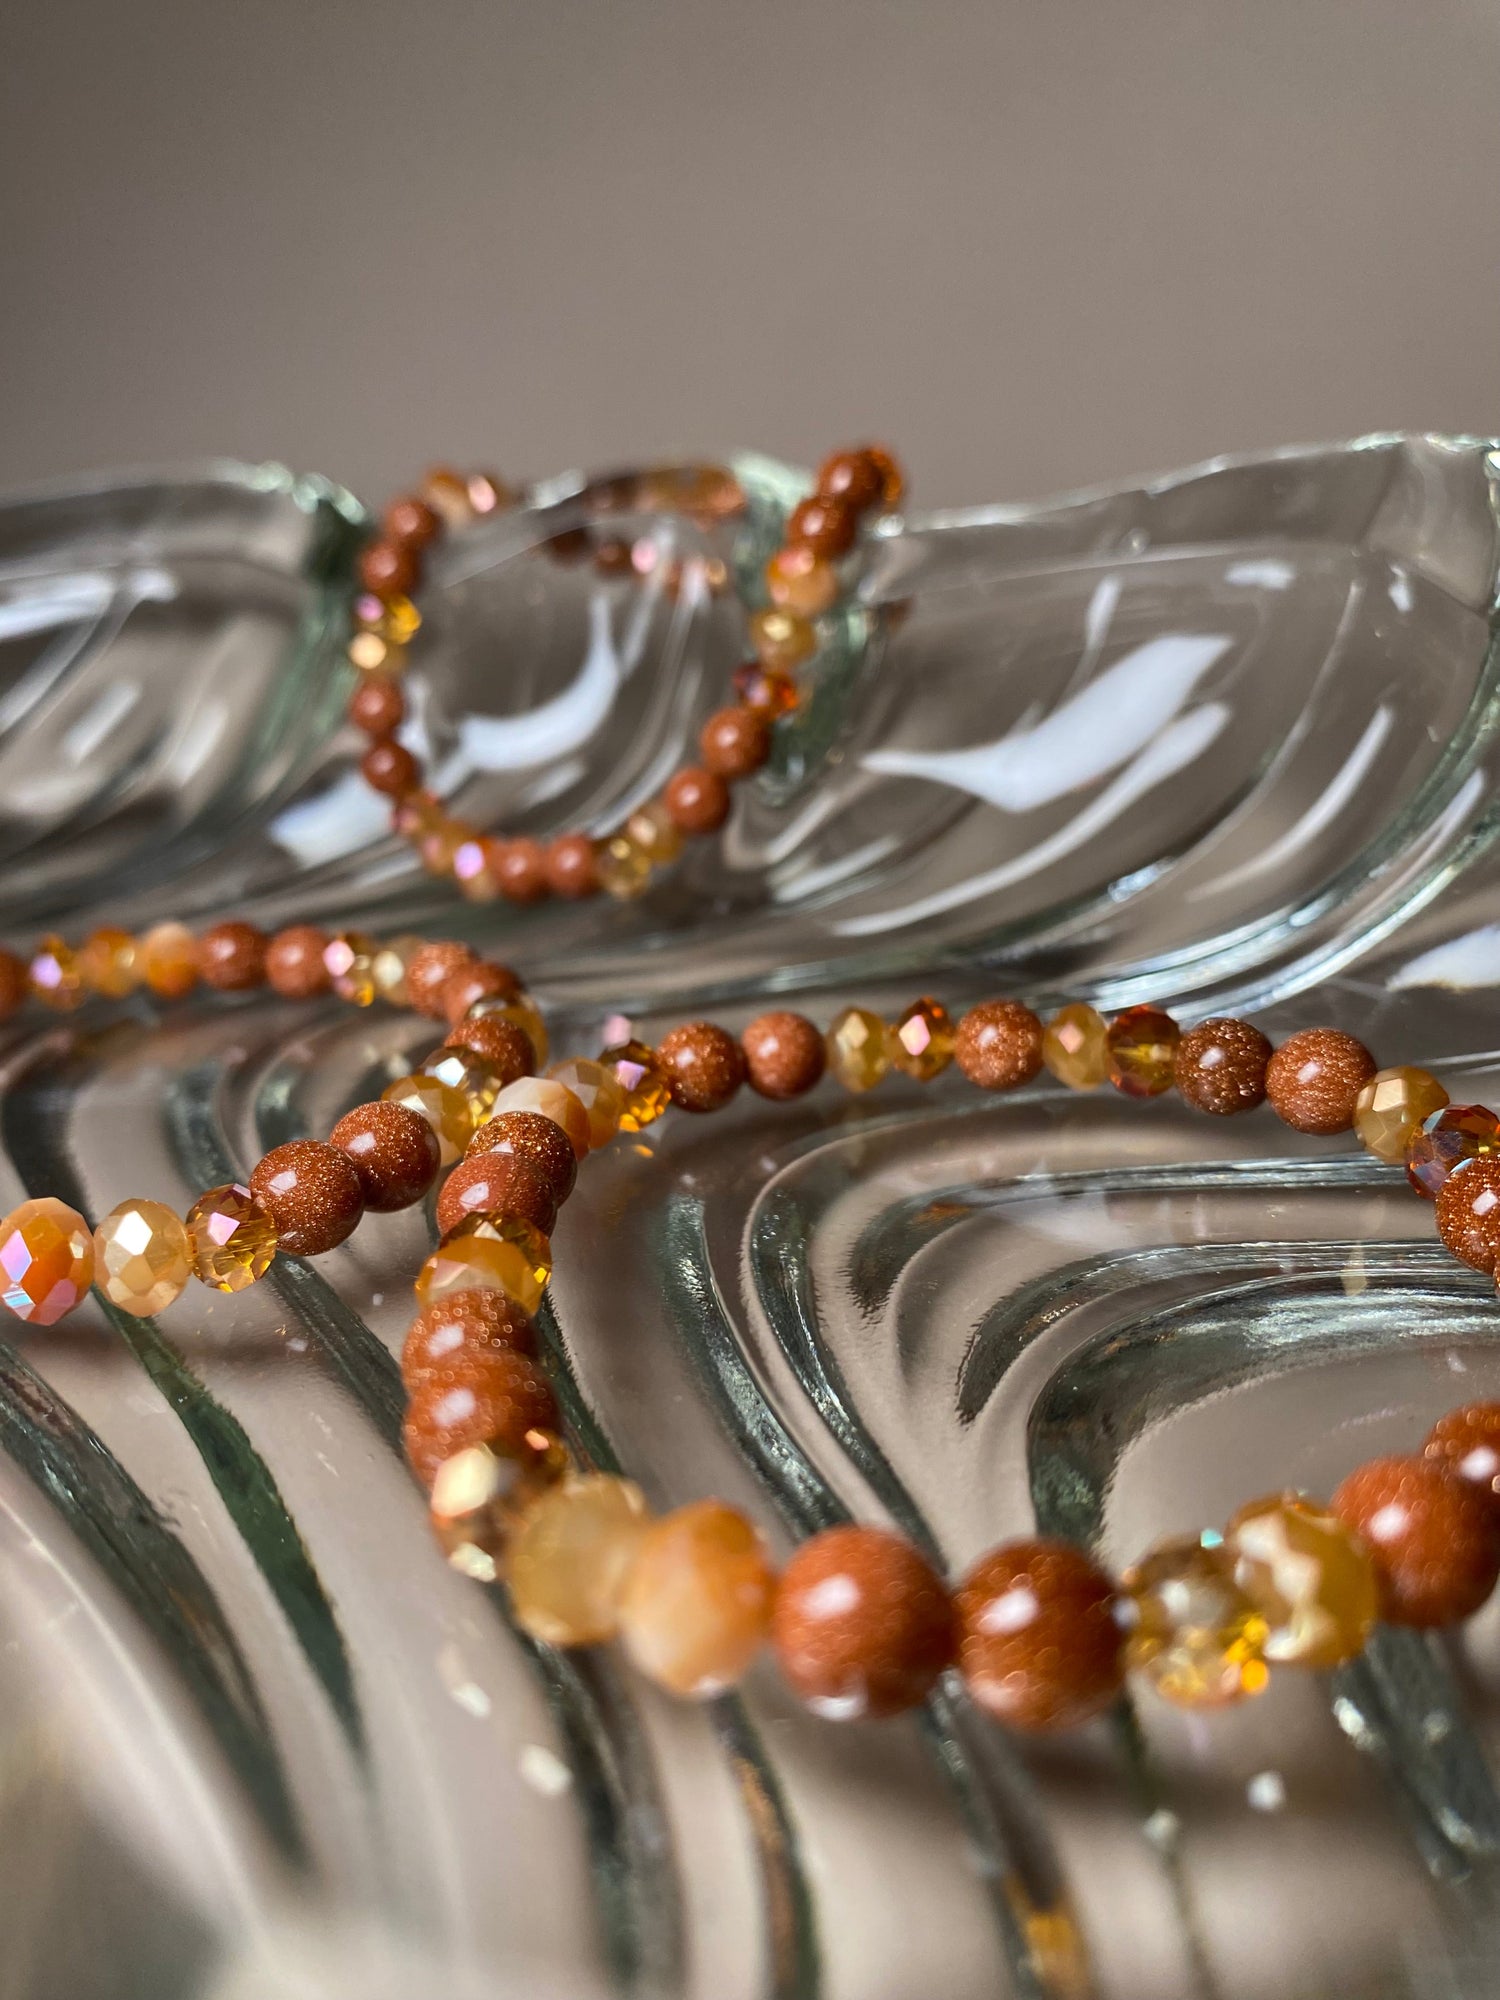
x=655 y=833
x=859 y=1052
x=1074 y=1048
x=642 y=1081
x=169 y=960
x=921 y=1042
x=489 y=1253
x=445 y=1109
x=233 y=1238
x=54 y=974
x=350 y=959
x=143 y=1257
x=1308 y=1577
x=1190 y=1629
x=477 y=1081
x=388 y=967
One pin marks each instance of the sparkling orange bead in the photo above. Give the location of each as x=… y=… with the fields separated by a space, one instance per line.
x=393 y=1150
x=597 y=1090
x=430 y=969
x=480 y=979
x=859 y=1052
x=1308 y=1576
x=921 y=1042
x=521 y=1013
x=785 y=1054
x=480 y=1494
x=1468 y=1213
x=1142 y=1048
x=46 y=1260
x=109 y=963
x=783 y=640
x=312 y=1193
x=1039 y=1644
x=1190 y=1628
x=550 y=1099
x=1447 y=1139
x=862 y=1625
x=495 y=1184
x=570 y=1555
x=143 y=1257
x=169 y=960
x=537 y=1142
x=500 y=1396
x=496 y=1253
x=1391 y=1110
x=445 y=1340
x=704 y=1065
x=1433 y=1536
x=998 y=1044
x=642 y=1081
x=233 y=1238
x=446 y=1110
x=54 y=974
x=1220 y=1067
x=696 y=1604
x=1074 y=1047
x=1467 y=1441
x=1315 y=1077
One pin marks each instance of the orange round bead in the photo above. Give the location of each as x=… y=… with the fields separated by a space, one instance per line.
x=1315 y=1078
x=428 y=972
x=232 y=957
x=169 y=960
x=572 y=866
x=312 y=1193
x=539 y=1142
x=1468 y=1213
x=785 y=1055
x=698 y=800
x=703 y=1064
x=998 y=1045
x=393 y=1150
x=1039 y=1645
x=697 y=1602
x=295 y=965
x=799 y=579
x=109 y=962
x=1220 y=1067
x=863 y=1625
x=444 y=1338
x=1141 y=1045
x=503 y=1044
x=824 y=524
x=503 y=1395
x=735 y=742
x=495 y=1184
x=1432 y=1535
x=1467 y=1441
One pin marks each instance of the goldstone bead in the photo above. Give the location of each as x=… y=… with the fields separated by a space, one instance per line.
x=143 y=1257
x=697 y=1602
x=476 y=1080
x=1190 y=1628
x=1308 y=1577
x=1315 y=1077
x=502 y=1253
x=46 y=1260
x=570 y=1556
x=233 y=1238
x=521 y=1013
x=1392 y=1108
x=642 y=1081
x=496 y=1400
x=1431 y=1534
x=1142 y=1045
x=552 y=1100
x=597 y=1091
x=446 y=1110
x=921 y=1042
x=1467 y=1441
x=1074 y=1049
x=858 y=1048
x=481 y=1493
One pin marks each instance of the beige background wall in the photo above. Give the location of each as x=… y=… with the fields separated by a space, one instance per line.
x=1029 y=242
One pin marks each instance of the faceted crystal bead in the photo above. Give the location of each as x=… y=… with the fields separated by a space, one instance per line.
x=1191 y=1629
x=655 y=833
x=46 y=1260
x=169 y=960
x=1447 y=1139
x=396 y=619
x=597 y=1091
x=1142 y=1043
x=697 y=1602
x=54 y=974
x=643 y=1084
x=1307 y=1576
x=1074 y=1047
x=553 y=1100
x=388 y=967
x=858 y=1048
x=473 y=872
x=1392 y=1108
x=477 y=1081
x=768 y=694
x=570 y=1556
x=523 y=1014
x=233 y=1238
x=109 y=963
x=143 y=1257
x=624 y=868
x=445 y=1109
x=501 y=1253
x=480 y=1494
x=350 y=958
x=921 y=1042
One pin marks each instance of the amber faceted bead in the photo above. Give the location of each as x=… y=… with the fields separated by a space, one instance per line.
x=998 y=1045
x=502 y=1044
x=783 y=640
x=54 y=976
x=654 y=832
x=109 y=962
x=393 y=1150
x=1432 y=1535
x=14 y=984
x=477 y=1081
x=823 y=523
x=1468 y=1213
x=1141 y=1046
x=698 y=800
x=863 y=1625
x=550 y=1100
x=46 y=1260
x=1190 y=1628
x=294 y=962
x=481 y=1494
x=769 y=694
x=1308 y=1576
x=1074 y=1047
x=142 y=1257
x=1447 y=1140
x=232 y=957
x=1220 y=1066
x=572 y=870
x=696 y=1603
x=428 y=972
x=501 y=1395
x=233 y=1238
x=480 y=980
x=597 y=1090
x=784 y=1055
x=377 y=705
x=169 y=960
x=388 y=569
x=503 y=1253
x=1467 y=1441
x=570 y=1556
x=1039 y=1644
x=703 y=1064
x=1315 y=1078
x=921 y=1041
x=445 y=1338
x=643 y=1084
x=495 y=1184
x=311 y=1191
x=350 y=959
x=540 y=1143
x=1391 y=1110
x=445 y=1109
x=799 y=579
x=735 y=742
x=624 y=868
x=858 y=1048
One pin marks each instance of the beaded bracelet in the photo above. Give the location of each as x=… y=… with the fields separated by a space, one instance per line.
x=859 y=1621
x=803 y=582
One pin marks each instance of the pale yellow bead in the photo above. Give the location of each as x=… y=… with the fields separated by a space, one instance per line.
x=624 y=867
x=143 y=1257
x=597 y=1091
x=553 y=1100
x=1074 y=1047
x=569 y=1558
x=388 y=967
x=859 y=1052
x=1392 y=1108
x=655 y=833
x=480 y=1494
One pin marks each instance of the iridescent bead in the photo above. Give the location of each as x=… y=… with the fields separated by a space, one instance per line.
x=54 y=974
x=1142 y=1046
x=921 y=1042
x=480 y=1494
x=859 y=1052
x=388 y=967
x=624 y=868
x=1392 y=1108
x=396 y=619
x=1309 y=1578
x=783 y=640
x=489 y=1253
x=642 y=1081
x=143 y=1257
x=597 y=1091
x=350 y=959
x=1190 y=1628
x=769 y=694
x=654 y=831
x=521 y=1013
x=569 y=1558
x=1074 y=1047
x=696 y=1604
x=473 y=873
x=46 y=1260
x=445 y=1109
x=477 y=1081
x=233 y=1238
x=552 y=1100
x=1448 y=1138
x=169 y=960
x=109 y=963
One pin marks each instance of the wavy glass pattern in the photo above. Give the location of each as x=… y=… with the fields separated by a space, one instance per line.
x=262 y=1741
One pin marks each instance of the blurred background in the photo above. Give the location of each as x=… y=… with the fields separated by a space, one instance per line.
x=1030 y=246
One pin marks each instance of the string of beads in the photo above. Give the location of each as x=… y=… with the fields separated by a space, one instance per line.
x=805 y=581
x=859 y=1620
